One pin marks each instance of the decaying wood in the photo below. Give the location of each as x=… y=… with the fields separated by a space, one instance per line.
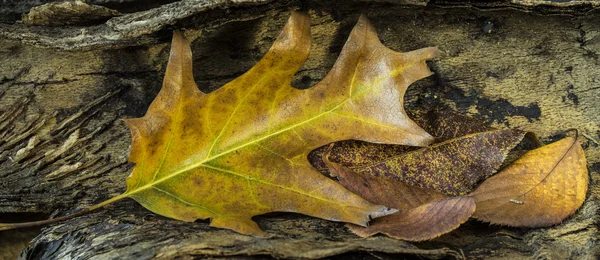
x=63 y=146
x=145 y=26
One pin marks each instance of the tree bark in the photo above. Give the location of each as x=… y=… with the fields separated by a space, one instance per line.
x=65 y=89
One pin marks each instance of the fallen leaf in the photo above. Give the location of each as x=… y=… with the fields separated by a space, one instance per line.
x=540 y=189
x=424 y=222
x=442 y=124
x=422 y=214
x=241 y=151
x=453 y=167
x=383 y=190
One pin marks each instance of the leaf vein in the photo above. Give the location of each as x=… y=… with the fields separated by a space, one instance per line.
x=185 y=201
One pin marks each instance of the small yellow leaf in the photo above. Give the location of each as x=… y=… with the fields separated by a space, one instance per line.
x=540 y=189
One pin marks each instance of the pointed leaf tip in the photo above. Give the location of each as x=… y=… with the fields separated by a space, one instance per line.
x=383 y=212
x=180 y=44
x=425 y=54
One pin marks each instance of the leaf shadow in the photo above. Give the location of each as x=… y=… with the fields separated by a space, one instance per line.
x=222 y=54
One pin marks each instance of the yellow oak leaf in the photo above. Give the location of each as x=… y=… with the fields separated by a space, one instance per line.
x=242 y=150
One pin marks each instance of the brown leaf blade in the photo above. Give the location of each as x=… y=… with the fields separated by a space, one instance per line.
x=423 y=214
x=540 y=189
x=442 y=124
x=424 y=222
x=453 y=167
x=241 y=150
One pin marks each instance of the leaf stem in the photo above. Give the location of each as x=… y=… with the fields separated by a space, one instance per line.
x=9 y=226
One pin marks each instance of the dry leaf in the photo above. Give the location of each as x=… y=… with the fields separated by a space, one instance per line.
x=241 y=150
x=353 y=153
x=540 y=189
x=424 y=222
x=442 y=124
x=423 y=214
x=453 y=167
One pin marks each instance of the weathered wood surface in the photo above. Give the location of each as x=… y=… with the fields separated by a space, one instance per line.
x=63 y=146
x=146 y=25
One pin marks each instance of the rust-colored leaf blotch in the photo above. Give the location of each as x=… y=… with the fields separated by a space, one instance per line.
x=241 y=150
x=540 y=189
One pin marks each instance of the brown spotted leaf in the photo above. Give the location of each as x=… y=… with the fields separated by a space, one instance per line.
x=241 y=150
x=423 y=214
x=354 y=153
x=453 y=167
x=540 y=189
x=442 y=124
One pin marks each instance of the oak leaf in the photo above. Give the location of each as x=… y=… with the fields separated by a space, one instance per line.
x=241 y=151
x=540 y=189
